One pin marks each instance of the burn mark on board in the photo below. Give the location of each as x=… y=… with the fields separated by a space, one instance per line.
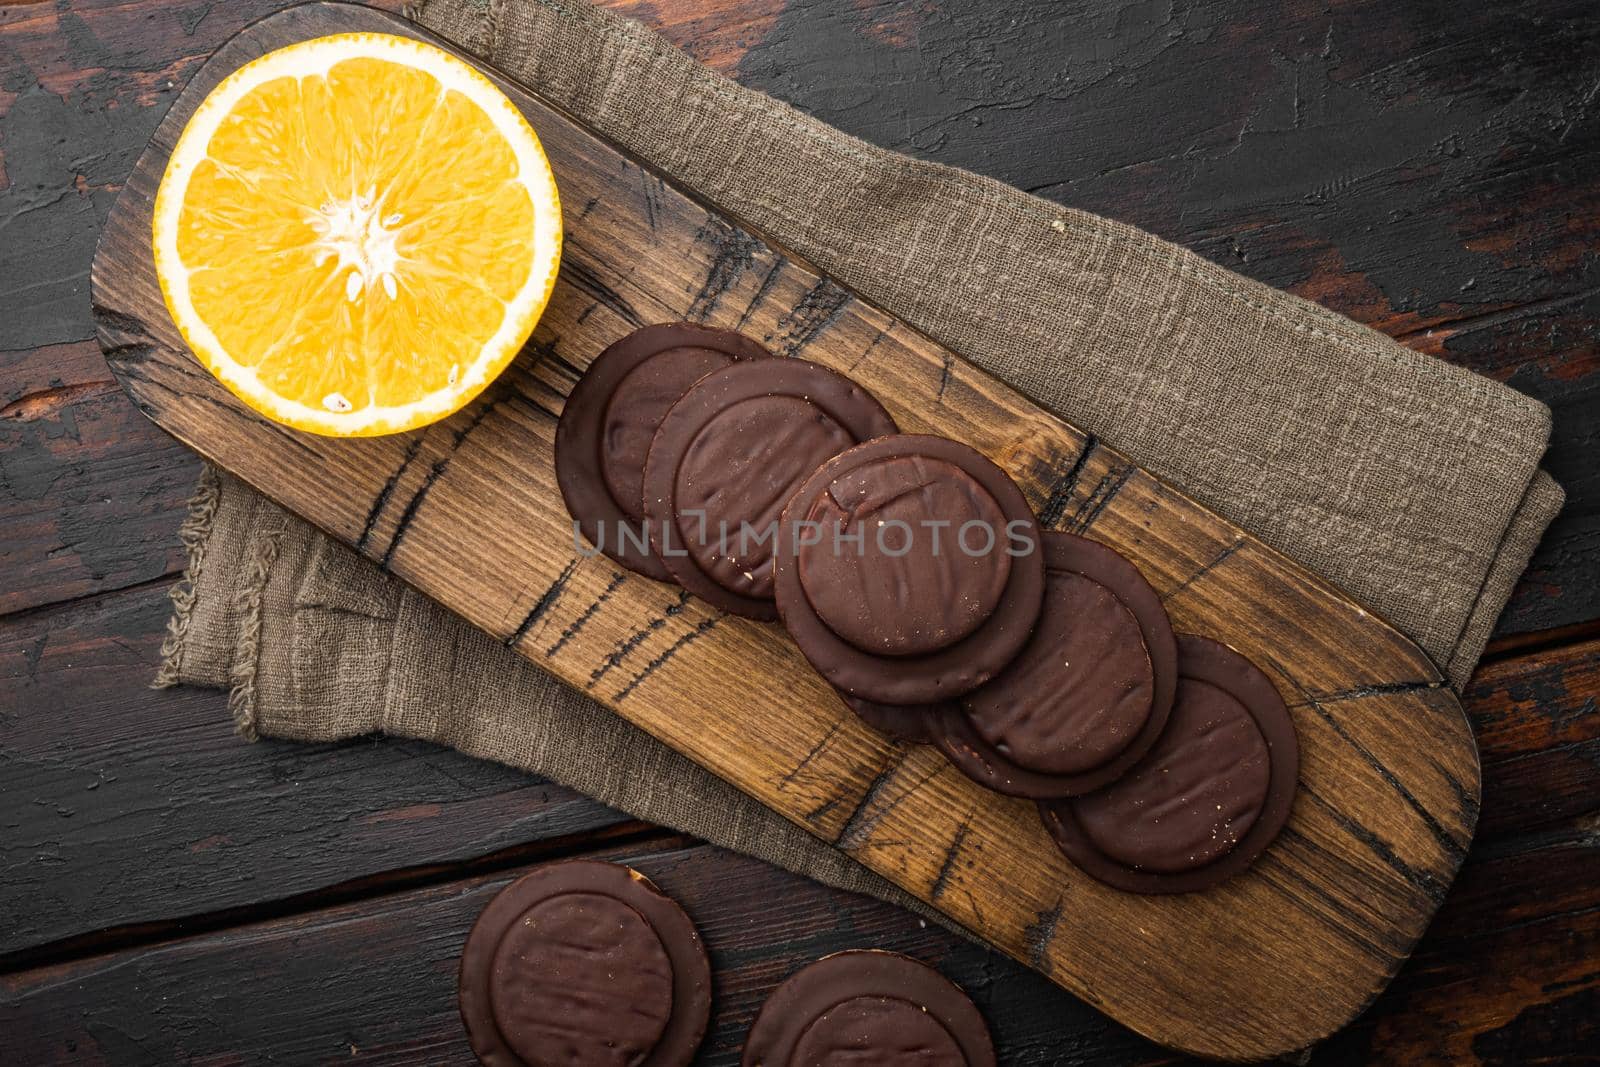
x=383 y=494
x=869 y=814
x=1456 y=850
x=1038 y=935
x=652 y=187
x=816 y=750
x=440 y=465
x=1217 y=561
x=623 y=648
x=767 y=281
x=946 y=371
x=542 y=606
x=818 y=309
x=589 y=283
x=866 y=353
x=1429 y=885
x=701 y=629
x=733 y=253
x=1371 y=937
x=576 y=626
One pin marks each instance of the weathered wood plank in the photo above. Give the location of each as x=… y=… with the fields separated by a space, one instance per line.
x=242 y=824
x=1382 y=823
x=375 y=981
x=1537 y=719
x=1526 y=217
x=91 y=494
x=106 y=782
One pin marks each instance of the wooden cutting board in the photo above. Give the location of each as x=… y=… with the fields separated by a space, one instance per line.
x=468 y=512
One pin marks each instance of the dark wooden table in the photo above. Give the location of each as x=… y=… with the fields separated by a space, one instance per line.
x=171 y=894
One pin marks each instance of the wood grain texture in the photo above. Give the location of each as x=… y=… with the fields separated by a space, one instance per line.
x=1429 y=169
x=372 y=980
x=375 y=980
x=1283 y=955
x=1472 y=242
x=82 y=84
x=1527 y=902
x=107 y=781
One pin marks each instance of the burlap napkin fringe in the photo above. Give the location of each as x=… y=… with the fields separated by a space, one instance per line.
x=195 y=534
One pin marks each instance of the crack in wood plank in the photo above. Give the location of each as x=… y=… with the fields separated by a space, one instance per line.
x=576 y=626
x=1062 y=488
x=947 y=869
x=541 y=607
x=383 y=494
x=704 y=627
x=1215 y=562
x=1457 y=850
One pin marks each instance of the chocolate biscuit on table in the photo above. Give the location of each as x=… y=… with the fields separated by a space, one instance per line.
x=584 y=962
x=868 y=1007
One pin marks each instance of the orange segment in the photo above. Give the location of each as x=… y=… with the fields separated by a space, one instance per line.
x=356 y=234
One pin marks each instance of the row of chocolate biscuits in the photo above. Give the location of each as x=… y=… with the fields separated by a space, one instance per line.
x=584 y=963
x=913 y=575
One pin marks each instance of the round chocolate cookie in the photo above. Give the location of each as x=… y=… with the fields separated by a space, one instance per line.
x=868 y=1007
x=610 y=419
x=902 y=722
x=1089 y=694
x=726 y=459
x=1208 y=798
x=909 y=570
x=905 y=589
x=584 y=962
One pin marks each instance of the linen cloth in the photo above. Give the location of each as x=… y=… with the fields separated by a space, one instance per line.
x=1412 y=484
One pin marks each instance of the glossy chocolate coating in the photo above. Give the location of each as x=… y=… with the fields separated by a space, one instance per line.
x=581 y=978
x=905 y=588
x=727 y=458
x=868 y=1007
x=878 y=1030
x=611 y=417
x=1087 y=697
x=955 y=668
x=1079 y=692
x=1207 y=800
x=1193 y=798
x=584 y=962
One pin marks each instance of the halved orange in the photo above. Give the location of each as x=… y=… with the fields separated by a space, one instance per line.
x=357 y=233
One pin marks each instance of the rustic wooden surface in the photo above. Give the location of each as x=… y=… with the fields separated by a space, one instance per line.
x=468 y=512
x=210 y=845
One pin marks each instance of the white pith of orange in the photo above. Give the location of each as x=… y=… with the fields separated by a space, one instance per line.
x=356 y=234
